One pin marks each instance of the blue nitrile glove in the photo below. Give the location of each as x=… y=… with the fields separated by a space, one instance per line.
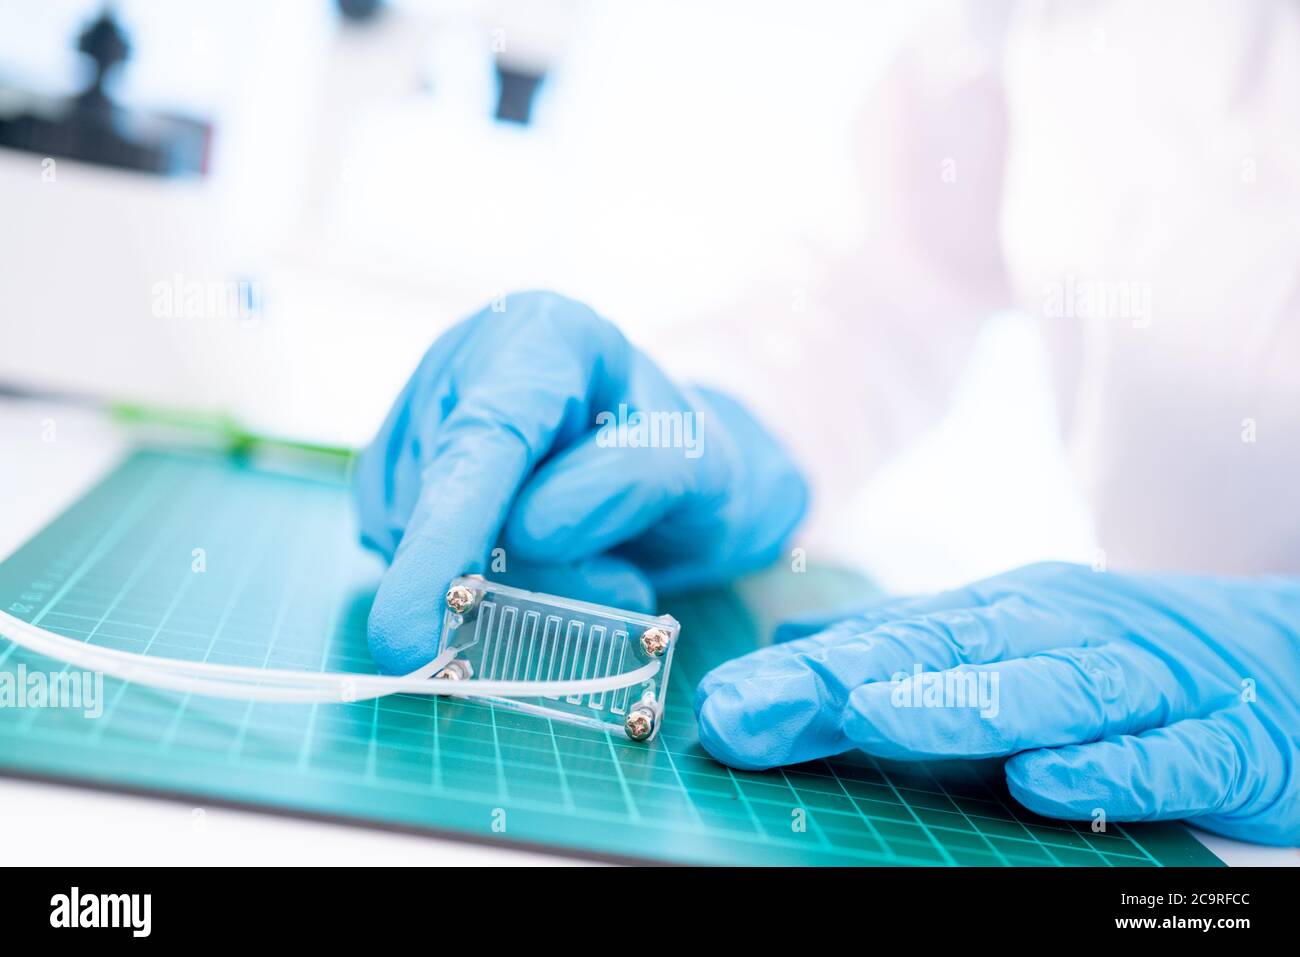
x=508 y=436
x=1145 y=696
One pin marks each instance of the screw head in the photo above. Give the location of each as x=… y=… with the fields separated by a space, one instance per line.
x=458 y=670
x=640 y=724
x=459 y=598
x=654 y=642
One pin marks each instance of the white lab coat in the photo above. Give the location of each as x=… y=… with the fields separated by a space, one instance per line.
x=1129 y=173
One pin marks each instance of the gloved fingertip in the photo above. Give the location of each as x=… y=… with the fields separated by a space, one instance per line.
x=723 y=731
x=769 y=719
x=400 y=642
x=708 y=684
x=1046 y=782
x=732 y=672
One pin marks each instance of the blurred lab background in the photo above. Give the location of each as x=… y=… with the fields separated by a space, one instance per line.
x=270 y=209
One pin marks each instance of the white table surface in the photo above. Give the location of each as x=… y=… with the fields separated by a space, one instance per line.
x=66 y=825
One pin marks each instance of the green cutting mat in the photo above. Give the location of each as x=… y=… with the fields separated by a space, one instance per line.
x=284 y=586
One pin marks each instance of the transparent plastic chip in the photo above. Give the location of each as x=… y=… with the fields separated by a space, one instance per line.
x=501 y=633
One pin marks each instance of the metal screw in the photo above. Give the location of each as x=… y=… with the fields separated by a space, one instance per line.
x=640 y=724
x=459 y=598
x=457 y=670
x=654 y=642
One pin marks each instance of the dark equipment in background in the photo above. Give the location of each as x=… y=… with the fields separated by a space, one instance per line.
x=516 y=89
x=90 y=127
x=359 y=10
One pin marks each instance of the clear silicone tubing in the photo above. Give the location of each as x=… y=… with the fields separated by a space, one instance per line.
x=256 y=684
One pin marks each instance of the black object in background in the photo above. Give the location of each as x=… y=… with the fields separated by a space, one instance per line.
x=91 y=128
x=359 y=10
x=516 y=89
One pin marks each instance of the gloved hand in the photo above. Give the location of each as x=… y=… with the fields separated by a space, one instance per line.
x=1147 y=696
x=506 y=435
